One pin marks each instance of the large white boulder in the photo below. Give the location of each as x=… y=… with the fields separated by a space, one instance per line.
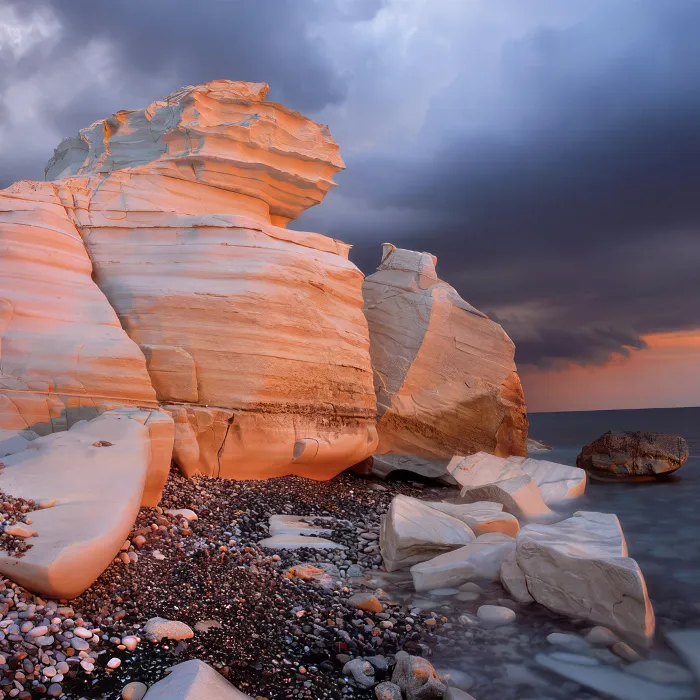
x=482 y=516
x=519 y=496
x=557 y=482
x=580 y=568
x=476 y=561
x=194 y=680
x=412 y=532
x=93 y=476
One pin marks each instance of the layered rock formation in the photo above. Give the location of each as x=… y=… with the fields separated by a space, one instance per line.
x=444 y=373
x=252 y=335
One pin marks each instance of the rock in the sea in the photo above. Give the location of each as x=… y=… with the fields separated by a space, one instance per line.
x=388 y=691
x=444 y=372
x=412 y=532
x=481 y=516
x=158 y=628
x=194 y=680
x=97 y=493
x=492 y=616
x=580 y=568
x=417 y=678
x=476 y=561
x=633 y=456
x=252 y=334
x=610 y=681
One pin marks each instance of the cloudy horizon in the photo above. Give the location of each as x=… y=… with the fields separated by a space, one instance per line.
x=546 y=152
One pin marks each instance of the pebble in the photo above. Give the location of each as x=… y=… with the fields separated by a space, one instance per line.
x=185 y=513
x=82 y=632
x=20 y=530
x=134 y=691
x=366 y=601
x=114 y=663
x=602 y=636
x=491 y=616
x=158 y=628
x=55 y=690
x=130 y=642
x=625 y=651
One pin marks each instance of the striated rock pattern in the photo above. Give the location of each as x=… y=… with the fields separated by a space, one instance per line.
x=631 y=456
x=252 y=335
x=63 y=354
x=444 y=373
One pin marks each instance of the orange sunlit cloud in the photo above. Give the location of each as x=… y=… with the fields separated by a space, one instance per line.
x=664 y=375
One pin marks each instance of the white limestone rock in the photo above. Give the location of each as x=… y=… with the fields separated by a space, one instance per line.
x=479 y=560
x=412 y=532
x=383 y=465
x=194 y=680
x=298 y=525
x=492 y=616
x=519 y=496
x=580 y=568
x=481 y=516
x=557 y=483
x=513 y=579
x=611 y=681
x=297 y=542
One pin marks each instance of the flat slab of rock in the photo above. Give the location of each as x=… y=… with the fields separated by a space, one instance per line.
x=384 y=465
x=97 y=492
x=687 y=645
x=412 y=532
x=519 y=496
x=633 y=456
x=13 y=441
x=476 y=561
x=298 y=525
x=580 y=568
x=297 y=542
x=612 y=682
x=482 y=516
x=194 y=680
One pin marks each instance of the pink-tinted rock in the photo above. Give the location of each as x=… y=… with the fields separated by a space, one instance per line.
x=253 y=334
x=444 y=373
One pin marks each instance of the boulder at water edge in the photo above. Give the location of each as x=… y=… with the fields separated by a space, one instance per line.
x=580 y=568
x=444 y=373
x=412 y=532
x=632 y=456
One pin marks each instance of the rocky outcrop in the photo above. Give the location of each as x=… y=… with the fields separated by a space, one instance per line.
x=580 y=568
x=252 y=336
x=412 y=532
x=89 y=483
x=64 y=356
x=444 y=373
x=633 y=456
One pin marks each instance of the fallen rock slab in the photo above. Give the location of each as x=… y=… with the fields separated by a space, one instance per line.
x=297 y=542
x=481 y=516
x=519 y=496
x=97 y=493
x=557 y=483
x=612 y=682
x=580 y=568
x=476 y=561
x=412 y=532
x=298 y=525
x=194 y=680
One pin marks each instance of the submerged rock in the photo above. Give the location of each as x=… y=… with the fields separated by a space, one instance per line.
x=631 y=456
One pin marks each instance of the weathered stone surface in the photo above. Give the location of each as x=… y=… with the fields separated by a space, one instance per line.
x=513 y=579
x=580 y=568
x=261 y=326
x=194 y=680
x=384 y=465
x=631 y=456
x=519 y=496
x=481 y=516
x=479 y=560
x=557 y=483
x=612 y=682
x=417 y=678
x=63 y=354
x=361 y=672
x=444 y=373
x=97 y=493
x=299 y=525
x=158 y=628
x=412 y=532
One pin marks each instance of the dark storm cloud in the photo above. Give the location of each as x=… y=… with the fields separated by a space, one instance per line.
x=547 y=153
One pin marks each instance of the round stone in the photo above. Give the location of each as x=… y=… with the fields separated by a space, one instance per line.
x=114 y=663
x=491 y=616
x=134 y=691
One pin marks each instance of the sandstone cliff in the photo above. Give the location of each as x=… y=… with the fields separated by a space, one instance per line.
x=252 y=335
x=444 y=373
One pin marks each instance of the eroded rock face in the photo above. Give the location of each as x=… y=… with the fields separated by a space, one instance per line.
x=444 y=373
x=580 y=568
x=64 y=356
x=631 y=456
x=251 y=335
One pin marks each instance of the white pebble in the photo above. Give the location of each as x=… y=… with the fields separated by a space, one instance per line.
x=114 y=663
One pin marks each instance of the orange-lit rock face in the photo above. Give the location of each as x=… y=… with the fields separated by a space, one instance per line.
x=444 y=372
x=63 y=354
x=253 y=335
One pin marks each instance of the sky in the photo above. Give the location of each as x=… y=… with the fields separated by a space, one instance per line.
x=547 y=152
